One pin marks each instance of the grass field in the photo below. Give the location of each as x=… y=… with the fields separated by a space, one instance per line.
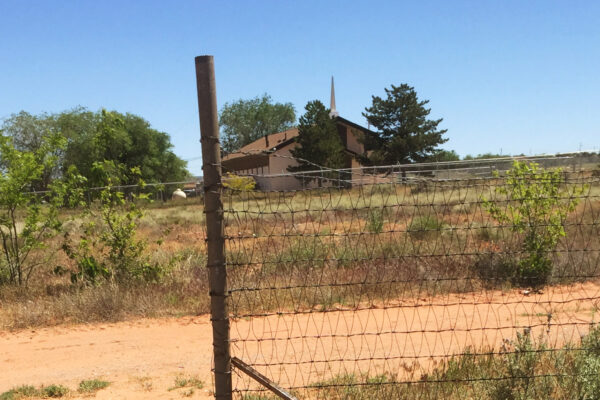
x=420 y=239
x=356 y=262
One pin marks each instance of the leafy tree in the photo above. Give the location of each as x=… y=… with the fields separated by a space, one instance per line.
x=444 y=155
x=29 y=133
x=319 y=143
x=25 y=221
x=538 y=205
x=245 y=121
x=97 y=136
x=79 y=126
x=404 y=134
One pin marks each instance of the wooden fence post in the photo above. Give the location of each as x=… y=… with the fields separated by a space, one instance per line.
x=213 y=209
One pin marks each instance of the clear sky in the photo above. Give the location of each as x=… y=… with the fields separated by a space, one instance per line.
x=510 y=76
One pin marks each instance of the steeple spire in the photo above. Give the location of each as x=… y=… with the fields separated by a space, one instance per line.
x=333 y=112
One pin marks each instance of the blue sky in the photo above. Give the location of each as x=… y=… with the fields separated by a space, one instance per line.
x=516 y=76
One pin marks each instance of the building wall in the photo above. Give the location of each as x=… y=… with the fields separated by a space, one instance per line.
x=279 y=162
x=352 y=142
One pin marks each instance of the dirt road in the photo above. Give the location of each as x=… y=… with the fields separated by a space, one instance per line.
x=143 y=358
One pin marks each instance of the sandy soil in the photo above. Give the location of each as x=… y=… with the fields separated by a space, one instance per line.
x=143 y=358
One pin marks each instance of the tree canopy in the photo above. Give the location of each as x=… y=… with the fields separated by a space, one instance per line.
x=95 y=137
x=445 y=155
x=405 y=134
x=318 y=139
x=245 y=121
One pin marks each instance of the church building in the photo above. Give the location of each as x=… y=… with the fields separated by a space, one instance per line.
x=267 y=159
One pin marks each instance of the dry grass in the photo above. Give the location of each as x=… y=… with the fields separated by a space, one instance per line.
x=424 y=239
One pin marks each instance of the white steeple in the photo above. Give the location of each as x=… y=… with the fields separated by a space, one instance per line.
x=333 y=112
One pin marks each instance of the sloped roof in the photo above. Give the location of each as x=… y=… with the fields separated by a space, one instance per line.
x=276 y=140
x=280 y=139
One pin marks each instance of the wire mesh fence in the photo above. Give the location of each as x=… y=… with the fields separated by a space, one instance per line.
x=463 y=286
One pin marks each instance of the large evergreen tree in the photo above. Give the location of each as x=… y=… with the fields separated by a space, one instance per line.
x=405 y=134
x=319 y=144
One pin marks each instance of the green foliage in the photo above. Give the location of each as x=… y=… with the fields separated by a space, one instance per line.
x=375 y=221
x=94 y=137
x=522 y=370
x=423 y=226
x=538 y=204
x=129 y=140
x=483 y=156
x=182 y=381
x=444 y=155
x=404 y=133
x=588 y=366
x=521 y=364
x=28 y=219
x=308 y=252
x=29 y=133
x=239 y=183
x=20 y=392
x=319 y=143
x=108 y=248
x=54 y=391
x=28 y=391
x=92 y=385
x=245 y=121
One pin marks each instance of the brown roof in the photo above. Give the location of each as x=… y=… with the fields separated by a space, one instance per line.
x=279 y=139
x=275 y=140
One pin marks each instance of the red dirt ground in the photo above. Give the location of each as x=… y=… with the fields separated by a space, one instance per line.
x=142 y=358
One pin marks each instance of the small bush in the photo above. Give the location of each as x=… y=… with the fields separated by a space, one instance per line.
x=54 y=391
x=421 y=227
x=305 y=252
x=192 y=382
x=239 y=183
x=92 y=385
x=375 y=221
x=494 y=269
x=20 y=392
x=538 y=204
x=109 y=248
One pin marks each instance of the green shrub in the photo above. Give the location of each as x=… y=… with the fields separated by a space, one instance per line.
x=28 y=220
x=588 y=366
x=494 y=269
x=239 y=183
x=521 y=370
x=20 y=392
x=54 y=391
x=375 y=221
x=92 y=385
x=192 y=382
x=421 y=227
x=304 y=252
x=538 y=205
x=108 y=248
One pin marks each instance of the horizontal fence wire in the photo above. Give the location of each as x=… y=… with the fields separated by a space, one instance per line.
x=456 y=286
